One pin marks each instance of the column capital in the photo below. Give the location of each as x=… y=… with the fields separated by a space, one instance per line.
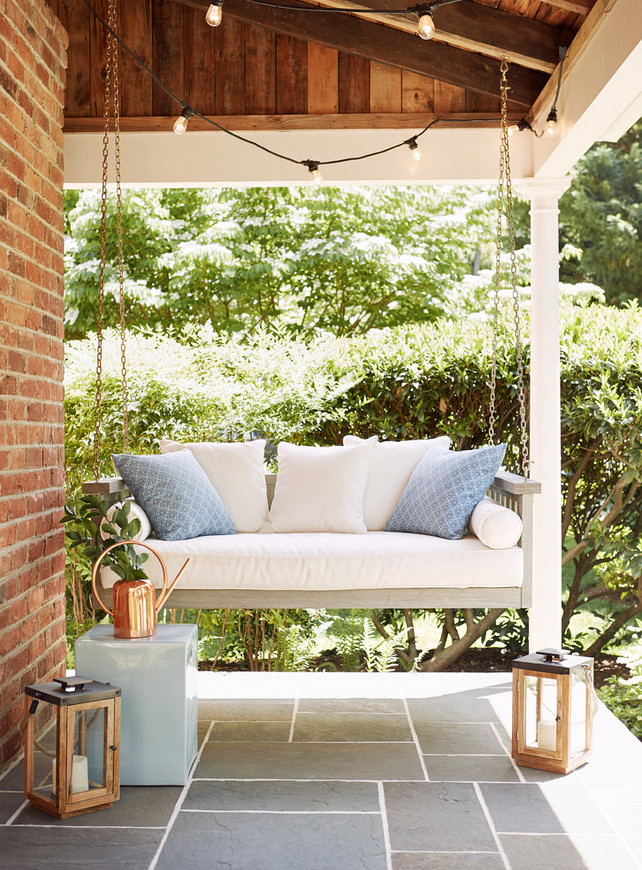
x=543 y=188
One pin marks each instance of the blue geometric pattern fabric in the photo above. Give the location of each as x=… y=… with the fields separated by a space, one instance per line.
x=176 y=495
x=443 y=491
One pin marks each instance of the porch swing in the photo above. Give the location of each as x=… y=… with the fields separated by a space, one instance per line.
x=294 y=569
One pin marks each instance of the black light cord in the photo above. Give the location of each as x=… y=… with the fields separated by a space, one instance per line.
x=418 y=8
x=188 y=111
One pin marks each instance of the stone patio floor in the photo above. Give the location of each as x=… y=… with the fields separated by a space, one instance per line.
x=353 y=772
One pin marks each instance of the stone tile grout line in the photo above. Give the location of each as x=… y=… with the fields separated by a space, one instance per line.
x=508 y=751
x=385 y=826
x=415 y=740
x=491 y=825
x=179 y=802
x=295 y=710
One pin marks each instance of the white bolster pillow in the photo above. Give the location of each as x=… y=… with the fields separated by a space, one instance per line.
x=496 y=526
x=135 y=513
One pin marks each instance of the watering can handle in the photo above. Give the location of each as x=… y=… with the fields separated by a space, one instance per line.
x=94 y=572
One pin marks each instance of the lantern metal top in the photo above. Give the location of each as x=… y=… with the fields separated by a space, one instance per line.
x=552 y=661
x=67 y=691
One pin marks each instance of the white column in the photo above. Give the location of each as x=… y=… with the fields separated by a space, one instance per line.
x=545 y=438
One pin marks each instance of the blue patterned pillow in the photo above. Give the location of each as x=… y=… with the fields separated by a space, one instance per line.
x=443 y=490
x=176 y=495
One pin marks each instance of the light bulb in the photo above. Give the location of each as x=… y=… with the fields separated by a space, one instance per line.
x=550 y=129
x=414 y=150
x=214 y=14
x=426 y=26
x=316 y=176
x=514 y=128
x=180 y=124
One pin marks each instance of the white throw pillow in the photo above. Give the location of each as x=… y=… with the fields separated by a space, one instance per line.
x=236 y=472
x=320 y=489
x=496 y=526
x=392 y=464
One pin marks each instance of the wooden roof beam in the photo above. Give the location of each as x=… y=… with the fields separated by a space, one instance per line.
x=490 y=31
x=580 y=7
x=386 y=45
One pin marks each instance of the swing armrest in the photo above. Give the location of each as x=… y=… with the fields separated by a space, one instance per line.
x=107 y=486
x=515 y=484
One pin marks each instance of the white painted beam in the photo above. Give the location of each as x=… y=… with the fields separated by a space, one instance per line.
x=601 y=97
x=201 y=159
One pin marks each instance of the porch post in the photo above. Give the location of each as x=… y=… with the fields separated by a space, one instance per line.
x=545 y=446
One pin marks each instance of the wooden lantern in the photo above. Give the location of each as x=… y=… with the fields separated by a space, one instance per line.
x=72 y=758
x=553 y=706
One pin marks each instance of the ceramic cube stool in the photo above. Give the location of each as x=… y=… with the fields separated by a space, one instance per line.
x=157 y=676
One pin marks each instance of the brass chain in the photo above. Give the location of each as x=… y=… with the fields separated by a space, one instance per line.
x=110 y=50
x=111 y=96
x=505 y=205
x=119 y=222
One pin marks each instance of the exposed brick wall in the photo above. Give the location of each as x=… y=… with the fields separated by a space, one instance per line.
x=32 y=607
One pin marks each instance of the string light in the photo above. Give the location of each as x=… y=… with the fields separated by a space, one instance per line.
x=550 y=128
x=519 y=127
x=313 y=169
x=214 y=14
x=425 y=25
x=415 y=150
x=180 y=124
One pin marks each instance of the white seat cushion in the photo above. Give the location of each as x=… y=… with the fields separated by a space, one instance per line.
x=331 y=561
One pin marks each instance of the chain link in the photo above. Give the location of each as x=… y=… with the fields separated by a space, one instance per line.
x=505 y=207
x=111 y=97
x=119 y=223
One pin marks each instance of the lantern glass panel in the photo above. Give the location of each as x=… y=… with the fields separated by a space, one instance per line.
x=579 y=707
x=89 y=750
x=541 y=713
x=44 y=756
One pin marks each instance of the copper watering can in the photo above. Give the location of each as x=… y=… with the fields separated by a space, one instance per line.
x=135 y=605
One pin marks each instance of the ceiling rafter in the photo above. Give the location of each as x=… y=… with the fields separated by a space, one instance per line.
x=475 y=27
x=390 y=46
x=580 y=7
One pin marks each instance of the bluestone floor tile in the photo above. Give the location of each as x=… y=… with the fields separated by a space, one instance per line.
x=259 y=841
x=623 y=811
x=138 y=807
x=309 y=761
x=447 y=861
x=578 y=852
x=546 y=808
x=63 y=848
x=477 y=739
x=333 y=727
x=258 y=732
x=252 y=711
x=352 y=705
x=435 y=816
x=470 y=768
x=9 y=803
x=474 y=705
x=311 y=796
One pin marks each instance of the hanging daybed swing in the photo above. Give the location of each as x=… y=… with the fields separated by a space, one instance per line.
x=378 y=569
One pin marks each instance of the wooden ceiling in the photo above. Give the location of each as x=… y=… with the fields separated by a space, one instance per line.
x=267 y=68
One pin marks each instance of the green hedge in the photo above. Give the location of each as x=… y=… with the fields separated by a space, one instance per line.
x=407 y=382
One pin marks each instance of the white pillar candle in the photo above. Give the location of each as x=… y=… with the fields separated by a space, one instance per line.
x=79 y=774
x=547 y=735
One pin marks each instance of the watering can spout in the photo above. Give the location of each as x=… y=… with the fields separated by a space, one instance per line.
x=164 y=596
